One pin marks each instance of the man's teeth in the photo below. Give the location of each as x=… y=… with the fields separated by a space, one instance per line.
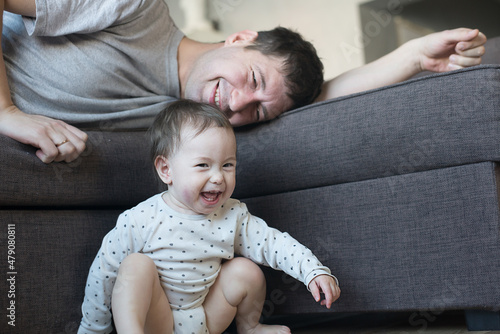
x=217 y=96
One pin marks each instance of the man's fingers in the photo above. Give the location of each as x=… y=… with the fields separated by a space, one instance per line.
x=470 y=41
x=77 y=132
x=67 y=152
x=476 y=52
x=461 y=61
x=47 y=150
x=61 y=145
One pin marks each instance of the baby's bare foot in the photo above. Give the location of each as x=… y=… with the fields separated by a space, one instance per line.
x=265 y=329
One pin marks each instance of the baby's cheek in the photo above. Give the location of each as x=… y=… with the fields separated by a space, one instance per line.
x=189 y=196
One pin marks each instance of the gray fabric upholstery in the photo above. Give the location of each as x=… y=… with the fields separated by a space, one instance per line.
x=114 y=170
x=421 y=241
x=395 y=189
x=430 y=122
x=54 y=250
x=343 y=135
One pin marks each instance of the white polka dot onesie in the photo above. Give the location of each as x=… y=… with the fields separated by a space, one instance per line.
x=187 y=251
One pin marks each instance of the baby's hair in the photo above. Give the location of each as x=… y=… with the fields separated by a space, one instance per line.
x=165 y=132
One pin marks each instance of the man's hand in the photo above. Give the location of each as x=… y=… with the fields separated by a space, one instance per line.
x=324 y=284
x=451 y=49
x=439 y=52
x=56 y=140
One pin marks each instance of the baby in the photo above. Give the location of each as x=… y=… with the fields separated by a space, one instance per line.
x=169 y=265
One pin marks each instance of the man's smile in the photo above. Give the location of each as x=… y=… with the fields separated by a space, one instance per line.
x=216 y=96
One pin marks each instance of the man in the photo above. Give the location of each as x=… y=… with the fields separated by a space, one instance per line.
x=116 y=64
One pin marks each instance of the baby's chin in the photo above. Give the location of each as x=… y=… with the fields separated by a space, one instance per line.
x=210 y=202
x=208 y=211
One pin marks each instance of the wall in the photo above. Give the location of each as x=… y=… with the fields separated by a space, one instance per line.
x=331 y=25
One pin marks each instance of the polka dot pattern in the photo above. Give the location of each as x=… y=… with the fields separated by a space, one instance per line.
x=188 y=251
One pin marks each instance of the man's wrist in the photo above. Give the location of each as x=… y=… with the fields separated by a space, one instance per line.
x=412 y=52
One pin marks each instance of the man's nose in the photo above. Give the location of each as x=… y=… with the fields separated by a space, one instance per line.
x=241 y=99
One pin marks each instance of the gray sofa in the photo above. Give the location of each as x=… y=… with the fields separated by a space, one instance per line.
x=395 y=189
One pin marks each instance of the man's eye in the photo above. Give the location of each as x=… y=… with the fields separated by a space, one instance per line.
x=254 y=79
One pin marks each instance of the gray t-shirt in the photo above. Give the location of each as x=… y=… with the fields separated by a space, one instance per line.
x=103 y=64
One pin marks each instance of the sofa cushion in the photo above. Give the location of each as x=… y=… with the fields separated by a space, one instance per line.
x=54 y=251
x=421 y=241
x=114 y=170
x=425 y=123
x=430 y=122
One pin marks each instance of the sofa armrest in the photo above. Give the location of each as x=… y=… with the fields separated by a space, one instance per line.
x=114 y=170
x=430 y=122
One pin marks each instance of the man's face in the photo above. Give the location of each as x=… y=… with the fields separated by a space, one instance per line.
x=245 y=84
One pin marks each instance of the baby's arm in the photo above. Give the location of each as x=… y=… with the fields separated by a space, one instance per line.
x=116 y=245
x=328 y=286
x=269 y=246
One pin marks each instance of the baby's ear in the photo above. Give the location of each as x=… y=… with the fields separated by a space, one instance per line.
x=162 y=167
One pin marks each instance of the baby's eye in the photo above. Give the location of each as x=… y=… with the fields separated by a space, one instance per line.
x=202 y=165
x=229 y=165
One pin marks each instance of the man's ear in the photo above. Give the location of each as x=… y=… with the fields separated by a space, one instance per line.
x=242 y=36
x=162 y=167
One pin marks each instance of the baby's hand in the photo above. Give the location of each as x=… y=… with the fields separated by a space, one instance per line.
x=324 y=284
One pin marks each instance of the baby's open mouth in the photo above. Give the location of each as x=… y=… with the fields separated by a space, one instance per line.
x=211 y=197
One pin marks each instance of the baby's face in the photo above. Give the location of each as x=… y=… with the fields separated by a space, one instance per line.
x=202 y=172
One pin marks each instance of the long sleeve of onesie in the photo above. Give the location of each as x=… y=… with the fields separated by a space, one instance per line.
x=279 y=250
x=123 y=240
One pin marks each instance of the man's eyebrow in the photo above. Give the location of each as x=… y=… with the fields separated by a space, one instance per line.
x=265 y=112
x=262 y=78
x=263 y=87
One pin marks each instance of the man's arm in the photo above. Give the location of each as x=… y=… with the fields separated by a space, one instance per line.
x=438 y=52
x=56 y=140
x=22 y=7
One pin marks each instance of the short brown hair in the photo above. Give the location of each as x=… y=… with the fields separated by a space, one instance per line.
x=302 y=68
x=165 y=132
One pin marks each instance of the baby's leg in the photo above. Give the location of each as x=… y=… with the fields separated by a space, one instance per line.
x=239 y=292
x=139 y=303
